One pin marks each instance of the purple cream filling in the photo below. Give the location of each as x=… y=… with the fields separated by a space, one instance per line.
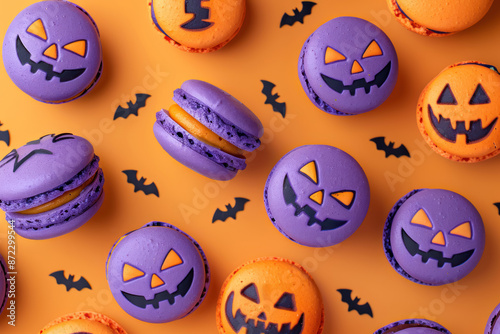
x=34 y=201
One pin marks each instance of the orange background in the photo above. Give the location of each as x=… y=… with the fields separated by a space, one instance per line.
x=138 y=60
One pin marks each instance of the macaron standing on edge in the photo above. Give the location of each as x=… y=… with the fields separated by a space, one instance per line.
x=208 y=130
x=157 y=273
x=198 y=26
x=83 y=322
x=51 y=186
x=52 y=51
x=413 y=326
x=348 y=66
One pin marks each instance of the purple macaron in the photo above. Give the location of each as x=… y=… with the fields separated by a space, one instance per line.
x=157 y=273
x=317 y=195
x=433 y=236
x=413 y=326
x=211 y=111
x=3 y=284
x=52 y=51
x=493 y=325
x=50 y=186
x=348 y=66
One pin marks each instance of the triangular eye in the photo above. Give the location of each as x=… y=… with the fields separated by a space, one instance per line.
x=78 y=47
x=286 y=302
x=345 y=198
x=250 y=292
x=332 y=56
x=463 y=230
x=310 y=171
x=37 y=29
x=447 y=96
x=421 y=218
x=129 y=273
x=372 y=50
x=479 y=96
x=171 y=260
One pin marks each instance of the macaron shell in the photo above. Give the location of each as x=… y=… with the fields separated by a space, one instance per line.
x=271 y=277
x=43 y=165
x=83 y=322
x=63 y=23
x=443 y=15
x=212 y=25
x=189 y=157
x=3 y=284
x=493 y=325
x=463 y=80
x=413 y=326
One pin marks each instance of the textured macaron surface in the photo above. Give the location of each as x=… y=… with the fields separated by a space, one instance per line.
x=493 y=325
x=348 y=66
x=199 y=24
x=317 y=195
x=52 y=51
x=83 y=323
x=157 y=273
x=434 y=237
x=443 y=15
x=270 y=295
x=458 y=112
x=413 y=326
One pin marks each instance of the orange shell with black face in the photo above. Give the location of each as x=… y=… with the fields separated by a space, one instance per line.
x=458 y=112
x=270 y=293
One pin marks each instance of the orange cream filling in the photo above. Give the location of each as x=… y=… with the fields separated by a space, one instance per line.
x=59 y=201
x=201 y=132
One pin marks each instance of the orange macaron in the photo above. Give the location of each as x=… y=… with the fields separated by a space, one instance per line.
x=83 y=322
x=438 y=17
x=270 y=295
x=458 y=111
x=198 y=25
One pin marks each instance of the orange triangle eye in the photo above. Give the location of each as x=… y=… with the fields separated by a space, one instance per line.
x=463 y=230
x=79 y=47
x=171 y=260
x=310 y=171
x=130 y=273
x=37 y=29
x=317 y=197
x=421 y=219
x=372 y=50
x=346 y=198
x=332 y=55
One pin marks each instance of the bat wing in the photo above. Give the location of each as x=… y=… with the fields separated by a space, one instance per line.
x=498 y=206
x=307 y=8
x=59 y=276
x=140 y=100
x=287 y=20
x=151 y=189
x=81 y=284
x=121 y=112
x=379 y=143
x=220 y=215
x=240 y=204
x=5 y=137
x=401 y=151
x=267 y=90
x=131 y=176
x=364 y=309
x=346 y=296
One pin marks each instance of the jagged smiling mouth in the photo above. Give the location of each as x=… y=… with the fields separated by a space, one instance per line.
x=378 y=81
x=240 y=320
x=445 y=128
x=25 y=58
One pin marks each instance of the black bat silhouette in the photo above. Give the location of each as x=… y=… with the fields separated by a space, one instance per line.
x=353 y=304
x=5 y=136
x=139 y=184
x=497 y=204
x=69 y=282
x=298 y=16
x=133 y=108
x=231 y=210
x=271 y=98
x=389 y=149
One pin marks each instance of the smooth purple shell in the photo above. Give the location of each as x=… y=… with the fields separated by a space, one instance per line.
x=413 y=326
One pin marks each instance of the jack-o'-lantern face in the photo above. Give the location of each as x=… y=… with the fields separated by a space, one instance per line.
x=277 y=297
x=437 y=236
x=52 y=51
x=156 y=274
x=459 y=111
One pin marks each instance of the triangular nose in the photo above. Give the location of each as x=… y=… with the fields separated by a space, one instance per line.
x=156 y=281
x=262 y=316
x=439 y=239
x=51 y=51
x=356 y=67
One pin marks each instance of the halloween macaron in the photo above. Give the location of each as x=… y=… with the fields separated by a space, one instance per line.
x=52 y=51
x=83 y=322
x=348 y=66
x=433 y=236
x=458 y=111
x=413 y=326
x=438 y=17
x=3 y=284
x=493 y=325
x=270 y=295
x=208 y=130
x=317 y=195
x=157 y=273
x=51 y=185
x=198 y=26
